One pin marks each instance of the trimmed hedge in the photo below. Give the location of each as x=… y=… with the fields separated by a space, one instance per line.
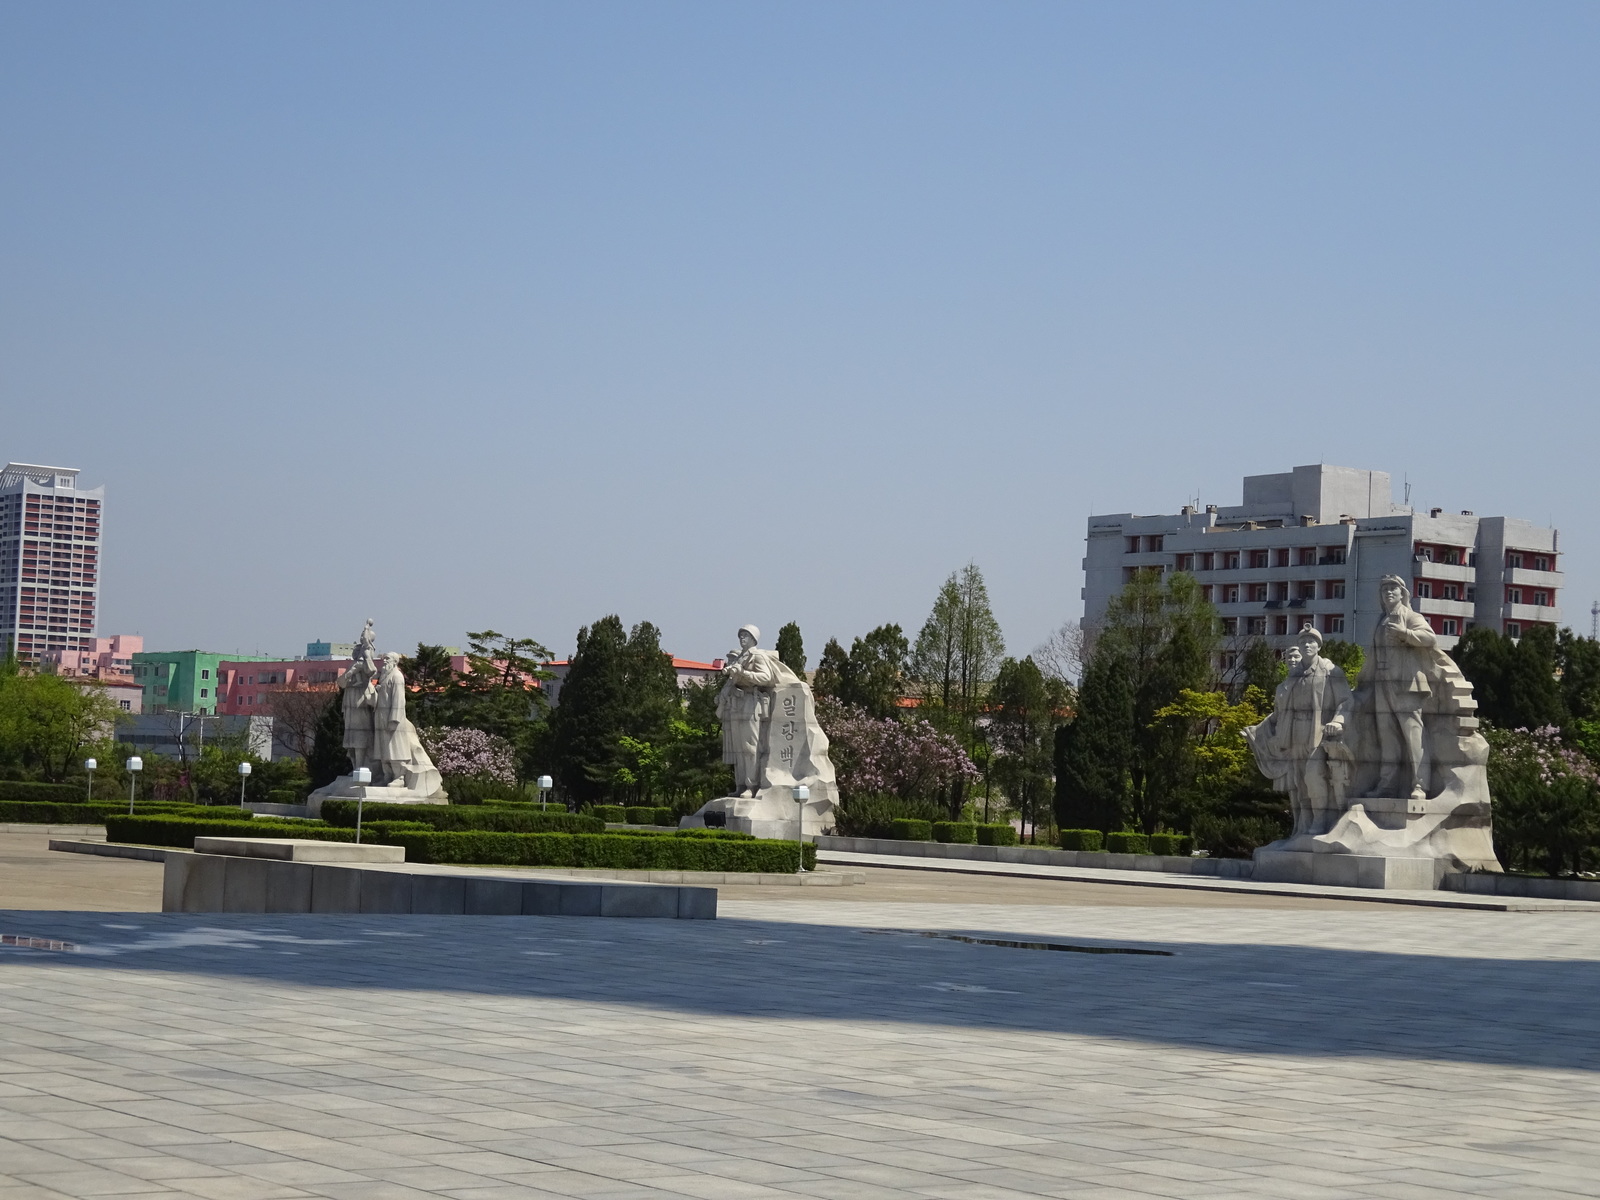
x=1091 y=841
x=909 y=829
x=726 y=834
x=958 y=833
x=609 y=812
x=49 y=793
x=999 y=834
x=650 y=816
x=32 y=812
x=181 y=831
x=446 y=817
x=1128 y=843
x=1171 y=843
x=615 y=850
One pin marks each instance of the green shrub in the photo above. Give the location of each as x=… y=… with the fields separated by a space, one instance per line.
x=51 y=793
x=725 y=834
x=181 y=831
x=36 y=812
x=1091 y=841
x=909 y=829
x=1171 y=843
x=476 y=789
x=284 y=796
x=501 y=818
x=1128 y=843
x=614 y=850
x=958 y=833
x=998 y=834
x=649 y=816
x=614 y=813
x=873 y=816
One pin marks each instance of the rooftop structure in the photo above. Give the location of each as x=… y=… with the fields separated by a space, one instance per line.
x=49 y=560
x=1309 y=545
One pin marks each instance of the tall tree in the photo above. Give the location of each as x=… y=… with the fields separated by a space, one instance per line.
x=1094 y=754
x=831 y=669
x=791 y=649
x=1025 y=707
x=1580 y=675
x=1160 y=638
x=1262 y=668
x=1515 y=682
x=873 y=675
x=328 y=759
x=959 y=648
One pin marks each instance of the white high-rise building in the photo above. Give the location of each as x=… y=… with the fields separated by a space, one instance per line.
x=1311 y=545
x=49 y=560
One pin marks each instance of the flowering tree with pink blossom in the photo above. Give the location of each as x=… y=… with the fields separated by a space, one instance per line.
x=1546 y=799
x=470 y=752
x=880 y=755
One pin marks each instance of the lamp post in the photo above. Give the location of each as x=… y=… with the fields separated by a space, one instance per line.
x=244 y=773
x=545 y=784
x=89 y=765
x=361 y=775
x=801 y=794
x=134 y=765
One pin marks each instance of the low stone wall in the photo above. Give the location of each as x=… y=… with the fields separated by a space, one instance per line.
x=202 y=883
x=1219 y=868
x=1484 y=884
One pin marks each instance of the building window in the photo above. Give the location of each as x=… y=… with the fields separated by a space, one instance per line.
x=1280 y=625
x=1133 y=546
x=1333 y=623
x=1541 y=563
x=1230 y=594
x=1205 y=593
x=127 y=705
x=1542 y=599
x=1334 y=556
x=1514 y=595
x=1308 y=556
x=1208 y=562
x=1335 y=589
x=1424 y=590
x=1230 y=626
x=203 y=693
x=1472 y=593
x=1452 y=591
x=1449 y=627
x=205 y=675
x=1154 y=544
x=1230 y=560
x=1513 y=559
x=1307 y=591
x=1258 y=558
x=1513 y=629
x=1424 y=553
x=1229 y=661
x=1258 y=593
x=1257 y=626
x=1186 y=562
x=1282 y=557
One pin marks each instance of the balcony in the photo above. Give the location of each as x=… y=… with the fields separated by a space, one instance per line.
x=1537 y=613
x=1423 y=569
x=1446 y=608
x=1520 y=577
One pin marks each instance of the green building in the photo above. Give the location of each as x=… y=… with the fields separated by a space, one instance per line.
x=182 y=680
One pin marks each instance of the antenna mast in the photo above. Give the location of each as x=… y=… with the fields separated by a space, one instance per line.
x=1594 y=620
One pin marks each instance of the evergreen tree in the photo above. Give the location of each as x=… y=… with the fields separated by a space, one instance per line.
x=831 y=670
x=1024 y=710
x=957 y=653
x=791 y=649
x=1347 y=656
x=1262 y=669
x=873 y=675
x=1533 y=694
x=1094 y=754
x=328 y=760
x=1580 y=675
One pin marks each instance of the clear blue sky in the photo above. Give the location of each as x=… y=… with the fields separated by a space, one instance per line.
x=515 y=315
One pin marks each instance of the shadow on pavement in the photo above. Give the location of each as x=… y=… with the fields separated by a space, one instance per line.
x=1255 y=999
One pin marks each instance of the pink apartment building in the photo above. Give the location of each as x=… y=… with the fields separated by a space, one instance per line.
x=245 y=688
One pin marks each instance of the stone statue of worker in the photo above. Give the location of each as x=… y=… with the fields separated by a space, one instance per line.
x=1404 y=668
x=1301 y=747
x=357 y=688
x=745 y=707
x=396 y=746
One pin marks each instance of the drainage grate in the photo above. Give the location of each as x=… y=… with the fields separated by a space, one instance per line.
x=35 y=943
x=1013 y=945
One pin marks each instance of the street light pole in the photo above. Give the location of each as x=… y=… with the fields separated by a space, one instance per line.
x=134 y=765
x=801 y=794
x=89 y=765
x=545 y=784
x=362 y=775
x=244 y=773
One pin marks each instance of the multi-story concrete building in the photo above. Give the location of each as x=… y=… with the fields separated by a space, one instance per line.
x=182 y=681
x=1311 y=544
x=246 y=687
x=49 y=560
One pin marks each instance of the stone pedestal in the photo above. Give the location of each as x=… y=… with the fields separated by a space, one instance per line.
x=772 y=813
x=346 y=788
x=1348 y=870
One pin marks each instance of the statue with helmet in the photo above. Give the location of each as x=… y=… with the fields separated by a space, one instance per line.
x=771 y=738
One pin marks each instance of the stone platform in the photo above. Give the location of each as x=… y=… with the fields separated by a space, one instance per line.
x=1348 y=870
x=197 y=882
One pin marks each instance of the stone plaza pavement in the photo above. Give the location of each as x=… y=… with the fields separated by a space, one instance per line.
x=798 y=1050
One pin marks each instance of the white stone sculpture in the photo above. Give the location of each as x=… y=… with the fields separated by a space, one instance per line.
x=1396 y=773
x=771 y=737
x=379 y=737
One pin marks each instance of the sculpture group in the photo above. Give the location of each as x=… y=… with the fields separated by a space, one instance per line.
x=378 y=736
x=1394 y=768
x=771 y=738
